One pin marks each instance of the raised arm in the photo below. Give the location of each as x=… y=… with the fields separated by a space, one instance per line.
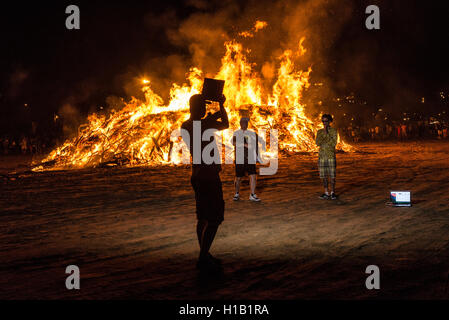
x=222 y=114
x=319 y=138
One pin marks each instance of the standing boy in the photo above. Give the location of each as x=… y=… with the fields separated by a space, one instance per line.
x=326 y=139
x=246 y=152
x=205 y=178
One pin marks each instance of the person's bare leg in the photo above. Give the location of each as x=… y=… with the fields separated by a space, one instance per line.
x=237 y=182
x=325 y=184
x=252 y=182
x=207 y=238
x=332 y=185
x=200 y=229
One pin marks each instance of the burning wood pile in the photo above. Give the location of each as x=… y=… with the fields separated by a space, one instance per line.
x=140 y=133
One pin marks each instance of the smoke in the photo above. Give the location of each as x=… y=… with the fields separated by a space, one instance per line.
x=202 y=35
x=71 y=119
x=345 y=57
x=17 y=78
x=72 y=112
x=196 y=37
x=193 y=35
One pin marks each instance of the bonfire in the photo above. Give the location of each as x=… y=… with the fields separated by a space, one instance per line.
x=141 y=132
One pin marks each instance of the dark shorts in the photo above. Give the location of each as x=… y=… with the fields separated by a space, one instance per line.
x=209 y=200
x=241 y=169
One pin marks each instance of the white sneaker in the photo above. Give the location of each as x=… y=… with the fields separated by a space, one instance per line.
x=236 y=197
x=254 y=197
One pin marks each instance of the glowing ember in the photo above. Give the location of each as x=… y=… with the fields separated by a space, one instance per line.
x=139 y=134
x=259 y=25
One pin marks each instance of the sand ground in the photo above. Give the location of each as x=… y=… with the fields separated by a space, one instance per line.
x=131 y=231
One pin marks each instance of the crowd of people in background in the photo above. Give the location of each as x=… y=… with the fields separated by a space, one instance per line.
x=430 y=128
x=395 y=130
x=25 y=145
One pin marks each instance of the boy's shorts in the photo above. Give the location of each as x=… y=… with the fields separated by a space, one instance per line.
x=327 y=168
x=241 y=169
x=209 y=200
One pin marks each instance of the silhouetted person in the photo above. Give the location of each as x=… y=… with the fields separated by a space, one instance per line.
x=205 y=178
x=250 y=141
x=24 y=145
x=326 y=139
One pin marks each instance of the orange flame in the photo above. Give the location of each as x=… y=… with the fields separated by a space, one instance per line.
x=139 y=134
x=259 y=25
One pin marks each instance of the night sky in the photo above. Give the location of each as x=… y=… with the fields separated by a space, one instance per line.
x=44 y=65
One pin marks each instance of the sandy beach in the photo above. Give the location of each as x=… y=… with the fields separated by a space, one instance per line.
x=131 y=231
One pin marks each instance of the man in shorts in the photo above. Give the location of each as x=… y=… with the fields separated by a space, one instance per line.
x=326 y=139
x=205 y=177
x=246 y=152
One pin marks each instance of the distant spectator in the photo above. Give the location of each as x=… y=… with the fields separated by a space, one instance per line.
x=24 y=145
x=440 y=133
x=377 y=132
x=5 y=145
x=388 y=130
x=13 y=146
x=403 y=131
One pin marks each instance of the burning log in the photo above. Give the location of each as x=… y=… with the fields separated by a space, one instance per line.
x=156 y=142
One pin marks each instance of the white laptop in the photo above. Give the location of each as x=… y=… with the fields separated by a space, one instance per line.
x=401 y=198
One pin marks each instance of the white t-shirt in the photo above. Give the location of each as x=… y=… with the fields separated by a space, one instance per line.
x=248 y=137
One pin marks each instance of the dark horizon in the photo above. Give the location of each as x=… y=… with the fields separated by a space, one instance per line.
x=46 y=66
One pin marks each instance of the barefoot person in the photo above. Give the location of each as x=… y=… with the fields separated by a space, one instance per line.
x=326 y=139
x=205 y=178
x=246 y=142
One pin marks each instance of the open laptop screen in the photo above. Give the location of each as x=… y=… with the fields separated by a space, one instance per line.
x=400 y=197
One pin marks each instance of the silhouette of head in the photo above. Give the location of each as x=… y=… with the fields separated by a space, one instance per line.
x=197 y=106
x=326 y=118
x=244 y=123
